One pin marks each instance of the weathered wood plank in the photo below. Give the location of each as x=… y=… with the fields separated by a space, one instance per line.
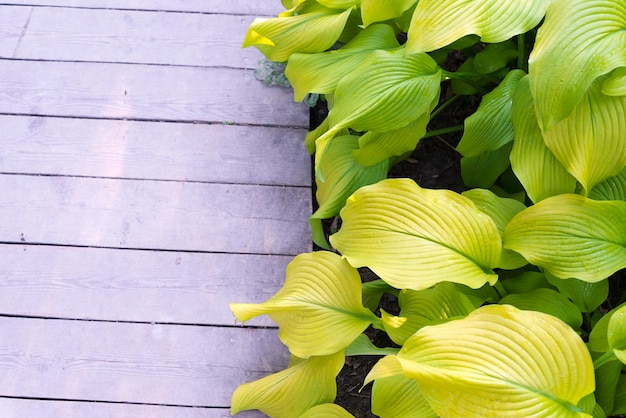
x=117 y=362
x=136 y=286
x=154 y=215
x=113 y=36
x=13 y=21
x=122 y=91
x=160 y=151
x=14 y=408
x=246 y=7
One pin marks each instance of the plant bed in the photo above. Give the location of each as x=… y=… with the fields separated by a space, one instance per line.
x=471 y=183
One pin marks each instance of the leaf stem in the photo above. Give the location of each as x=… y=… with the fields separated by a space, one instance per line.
x=522 y=62
x=500 y=289
x=444 y=105
x=605 y=358
x=442 y=131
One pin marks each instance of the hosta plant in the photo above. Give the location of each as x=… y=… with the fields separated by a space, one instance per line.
x=502 y=290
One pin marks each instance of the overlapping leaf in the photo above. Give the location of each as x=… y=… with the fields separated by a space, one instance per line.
x=616 y=334
x=320 y=73
x=533 y=163
x=498 y=361
x=291 y=392
x=399 y=397
x=315 y=30
x=501 y=210
x=319 y=308
x=437 y=23
x=489 y=128
x=613 y=188
x=414 y=238
x=424 y=307
x=571 y=236
x=380 y=10
x=591 y=141
x=547 y=301
x=388 y=91
x=579 y=41
x=327 y=410
x=343 y=176
x=483 y=170
x=586 y=296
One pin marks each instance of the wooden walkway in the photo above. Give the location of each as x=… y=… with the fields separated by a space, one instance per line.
x=146 y=180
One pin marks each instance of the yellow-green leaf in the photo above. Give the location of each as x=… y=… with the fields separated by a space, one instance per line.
x=381 y=10
x=571 y=236
x=318 y=309
x=338 y=4
x=414 y=238
x=579 y=41
x=615 y=85
x=437 y=23
x=591 y=141
x=586 y=296
x=484 y=169
x=375 y=147
x=291 y=392
x=613 y=188
x=616 y=334
x=489 y=128
x=320 y=73
x=424 y=307
x=501 y=210
x=598 y=338
x=327 y=410
x=399 y=397
x=532 y=162
x=343 y=176
x=547 y=301
x=498 y=361
x=388 y=91
x=314 y=31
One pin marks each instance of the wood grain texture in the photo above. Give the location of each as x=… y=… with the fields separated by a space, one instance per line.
x=160 y=151
x=121 y=91
x=13 y=24
x=115 y=362
x=127 y=36
x=20 y=408
x=137 y=286
x=246 y=7
x=154 y=215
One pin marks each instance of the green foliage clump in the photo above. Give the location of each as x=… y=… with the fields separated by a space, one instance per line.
x=502 y=289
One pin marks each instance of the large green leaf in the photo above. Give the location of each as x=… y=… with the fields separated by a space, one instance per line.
x=489 y=128
x=319 y=308
x=598 y=338
x=424 y=307
x=547 y=301
x=437 y=23
x=533 y=163
x=388 y=91
x=339 y=4
x=501 y=210
x=613 y=188
x=414 y=238
x=320 y=73
x=291 y=392
x=381 y=10
x=316 y=30
x=571 y=236
x=591 y=141
x=343 y=176
x=498 y=361
x=399 y=397
x=579 y=41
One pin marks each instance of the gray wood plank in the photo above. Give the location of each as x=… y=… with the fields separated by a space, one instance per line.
x=162 y=151
x=113 y=36
x=136 y=286
x=33 y=408
x=117 y=362
x=122 y=91
x=247 y=7
x=13 y=21
x=154 y=215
